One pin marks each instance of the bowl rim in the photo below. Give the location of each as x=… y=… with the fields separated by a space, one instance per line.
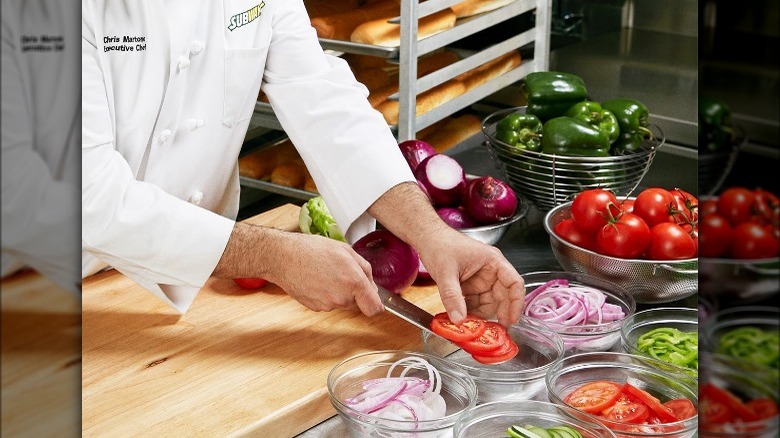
x=442 y=423
x=567 y=205
x=626 y=297
x=685 y=314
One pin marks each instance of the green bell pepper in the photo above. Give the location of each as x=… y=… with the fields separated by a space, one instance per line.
x=523 y=131
x=633 y=119
x=570 y=136
x=715 y=131
x=598 y=117
x=549 y=94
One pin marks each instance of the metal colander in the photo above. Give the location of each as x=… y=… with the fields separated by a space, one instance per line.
x=649 y=281
x=547 y=180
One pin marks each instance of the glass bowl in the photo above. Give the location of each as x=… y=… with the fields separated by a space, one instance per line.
x=641 y=372
x=679 y=318
x=345 y=381
x=491 y=420
x=521 y=378
x=586 y=337
x=744 y=381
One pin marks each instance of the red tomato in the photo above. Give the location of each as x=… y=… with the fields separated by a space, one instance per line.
x=714 y=412
x=751 y=241
x=709 y=206
x=493 y=338
x=589 y=208
x=472 y=327
x=681 y=408
x=670 y=241
x=250 y=283
x=664 y=414
x=628 y=237
x=655 y=205
x=687 y=205
x=628 y=412
x=627 y=205
x=594 y=397
x=764 y=407
x=715 y=235
x=735 y=204
x=568 y=230
x=507 y=351
x=713 y=393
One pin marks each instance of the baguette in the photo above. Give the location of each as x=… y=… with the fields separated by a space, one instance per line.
x=469 y=8
x=489 y=70
x=309 y=184
x=426 y=65
x=341 y=25
x=290 y=174
x=453 y=132
x=379 y=32
x=426 y=100
x=260 y=163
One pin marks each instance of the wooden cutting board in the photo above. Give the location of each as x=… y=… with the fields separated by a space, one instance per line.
x=237 y=363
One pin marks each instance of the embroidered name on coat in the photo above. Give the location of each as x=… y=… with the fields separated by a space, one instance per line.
x=245 y=17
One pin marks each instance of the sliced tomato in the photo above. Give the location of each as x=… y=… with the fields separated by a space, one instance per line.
x=664 y=413
x=250 y=283
x=494 y=337
x=682 y=408
x=503 y=354
x=712 y=412
x=714 y=393
x=764 y=407
x=472 y=327
x=594 y=397
x=628 y=412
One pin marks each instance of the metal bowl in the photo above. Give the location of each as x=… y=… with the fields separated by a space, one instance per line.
x=649 y=281
x=492 y=233
x=547 y=180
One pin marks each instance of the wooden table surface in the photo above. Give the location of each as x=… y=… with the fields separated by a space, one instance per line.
x=237 y=363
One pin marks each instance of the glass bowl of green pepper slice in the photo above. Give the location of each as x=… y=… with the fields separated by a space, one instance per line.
x=669 y=334
x=522 y=418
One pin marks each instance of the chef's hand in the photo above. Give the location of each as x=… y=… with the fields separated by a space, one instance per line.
x=322 y=274
x=471 y=276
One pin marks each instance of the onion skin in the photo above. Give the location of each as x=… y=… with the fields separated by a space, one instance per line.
x=414 y=151
x=436 y=167
x=455 y=217
x=394 y=263
x=489 y=200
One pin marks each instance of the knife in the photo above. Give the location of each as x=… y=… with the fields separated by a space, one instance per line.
x=405 y=310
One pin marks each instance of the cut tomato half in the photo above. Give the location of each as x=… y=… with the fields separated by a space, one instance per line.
x=664 y=413
x=494 y=337
x=501 y=355
x=472 y=327
x=594 y=397
x=682 y=408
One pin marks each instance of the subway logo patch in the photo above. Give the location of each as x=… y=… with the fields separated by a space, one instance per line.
x=246 y=17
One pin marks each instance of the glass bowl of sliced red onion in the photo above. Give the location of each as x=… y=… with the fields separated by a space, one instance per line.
x=400 y=394
x=587 y=312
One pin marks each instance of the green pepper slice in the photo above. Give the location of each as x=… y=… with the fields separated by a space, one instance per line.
x=672 y=346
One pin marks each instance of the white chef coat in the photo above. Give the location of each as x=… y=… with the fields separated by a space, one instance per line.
x=168 y=90
x=40 y=134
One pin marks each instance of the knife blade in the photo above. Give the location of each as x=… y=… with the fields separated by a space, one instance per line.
x=405 y=310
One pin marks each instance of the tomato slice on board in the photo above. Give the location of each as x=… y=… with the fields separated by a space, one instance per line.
x=664 y=413
x=711 y=392
x=594 y=397
x=681 y=408
x=503 y=354
x=494 y=337
x=764 y=407
x=628 y=412
x=472 y=327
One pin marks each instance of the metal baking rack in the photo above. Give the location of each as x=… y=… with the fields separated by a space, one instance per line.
x=406 y=56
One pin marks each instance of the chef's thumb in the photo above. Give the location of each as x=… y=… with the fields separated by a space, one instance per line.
x=452 y=298
x=368 y=301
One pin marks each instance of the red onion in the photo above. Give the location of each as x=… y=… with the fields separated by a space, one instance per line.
x=424 y=190
x=489 y=200
x=444 y=179
x=455 y=217
x=422 y=273
x=414 y=151
x=394 y=263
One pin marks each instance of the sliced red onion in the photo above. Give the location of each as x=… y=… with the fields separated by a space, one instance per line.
x=444 y=179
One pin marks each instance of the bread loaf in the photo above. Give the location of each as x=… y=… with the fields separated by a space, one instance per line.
x=425 y=65
x=260 y=163
x=474 y=7
x=426 y=101
x=341 y=25
x=309 y=184
x=379 y=32
x=489 y=70
x=290 y=174
x=453 y=132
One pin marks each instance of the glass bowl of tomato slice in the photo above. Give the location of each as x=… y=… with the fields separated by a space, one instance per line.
x=670 y=334
x=632 y=395
x=734 y=400
x=519 y=378
x=513 y=418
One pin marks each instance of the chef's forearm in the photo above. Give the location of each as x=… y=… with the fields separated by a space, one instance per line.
x=249 y=252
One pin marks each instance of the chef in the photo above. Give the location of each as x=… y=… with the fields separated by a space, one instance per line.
x=168 y=88
x=40 y=138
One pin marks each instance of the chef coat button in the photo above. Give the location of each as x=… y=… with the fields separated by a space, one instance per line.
x=193 y=124
x=165 y=136
x=184 y=62
x=196 y=197
x=196 y=47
